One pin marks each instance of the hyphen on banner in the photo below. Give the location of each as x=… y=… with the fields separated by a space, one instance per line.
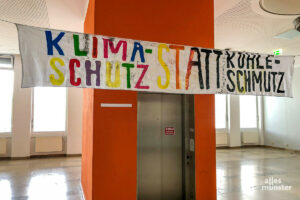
x=66 y=59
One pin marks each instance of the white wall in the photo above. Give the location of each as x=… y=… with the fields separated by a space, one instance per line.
x=282 y=118
x=74 y=121
x=21 y=123
x=234 y=121
x=66 y=15
x=234 y=135
x=69 y=15
x=21 y=137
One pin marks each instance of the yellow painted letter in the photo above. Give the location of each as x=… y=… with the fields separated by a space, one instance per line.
x=117 y=81
x=164 y=65
x=61 y=77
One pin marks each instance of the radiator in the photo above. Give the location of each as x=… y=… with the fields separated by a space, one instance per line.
x=48 y=144
x=3 y=146
x=250 y=138
x=221 y=139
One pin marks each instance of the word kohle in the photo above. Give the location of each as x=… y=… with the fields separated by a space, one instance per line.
x=65 y=59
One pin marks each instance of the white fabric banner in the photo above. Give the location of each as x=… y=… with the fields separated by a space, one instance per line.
x=66 y=59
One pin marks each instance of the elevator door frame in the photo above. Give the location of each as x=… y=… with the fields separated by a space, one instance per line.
x=188 y=153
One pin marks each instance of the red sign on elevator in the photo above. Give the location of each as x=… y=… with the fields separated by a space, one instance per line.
x=169 y=130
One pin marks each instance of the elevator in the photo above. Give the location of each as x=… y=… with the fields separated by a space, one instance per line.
x=165 y=147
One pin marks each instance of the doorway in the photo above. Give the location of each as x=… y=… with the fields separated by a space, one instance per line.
x=164 y=153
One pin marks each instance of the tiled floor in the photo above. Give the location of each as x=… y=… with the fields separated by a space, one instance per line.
x=241 y=175
x=40 y=179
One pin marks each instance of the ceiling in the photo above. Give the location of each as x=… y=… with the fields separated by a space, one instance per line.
x=244 y=26
x=57 y=14
x=239 y=24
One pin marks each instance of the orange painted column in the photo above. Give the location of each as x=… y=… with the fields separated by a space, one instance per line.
x=109 y=163
x=205 y=147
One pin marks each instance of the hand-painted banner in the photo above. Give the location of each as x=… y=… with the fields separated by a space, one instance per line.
x=65 y=59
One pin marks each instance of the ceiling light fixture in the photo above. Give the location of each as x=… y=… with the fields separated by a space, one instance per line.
x=292 y=33
x=297 y=23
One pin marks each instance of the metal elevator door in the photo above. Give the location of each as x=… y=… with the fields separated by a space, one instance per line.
x=160 y=156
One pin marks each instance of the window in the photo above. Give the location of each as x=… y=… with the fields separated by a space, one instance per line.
x=248 y=112
x=220 y=111
x=49 y=110
x=6 y=88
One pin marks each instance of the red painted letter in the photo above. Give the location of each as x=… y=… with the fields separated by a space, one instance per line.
x=72 y=72
x=95 y=47
x=113 y=49
x=139 y=82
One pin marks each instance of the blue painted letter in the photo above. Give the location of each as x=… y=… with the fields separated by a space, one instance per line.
x=51 y=42
x=139 y=47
